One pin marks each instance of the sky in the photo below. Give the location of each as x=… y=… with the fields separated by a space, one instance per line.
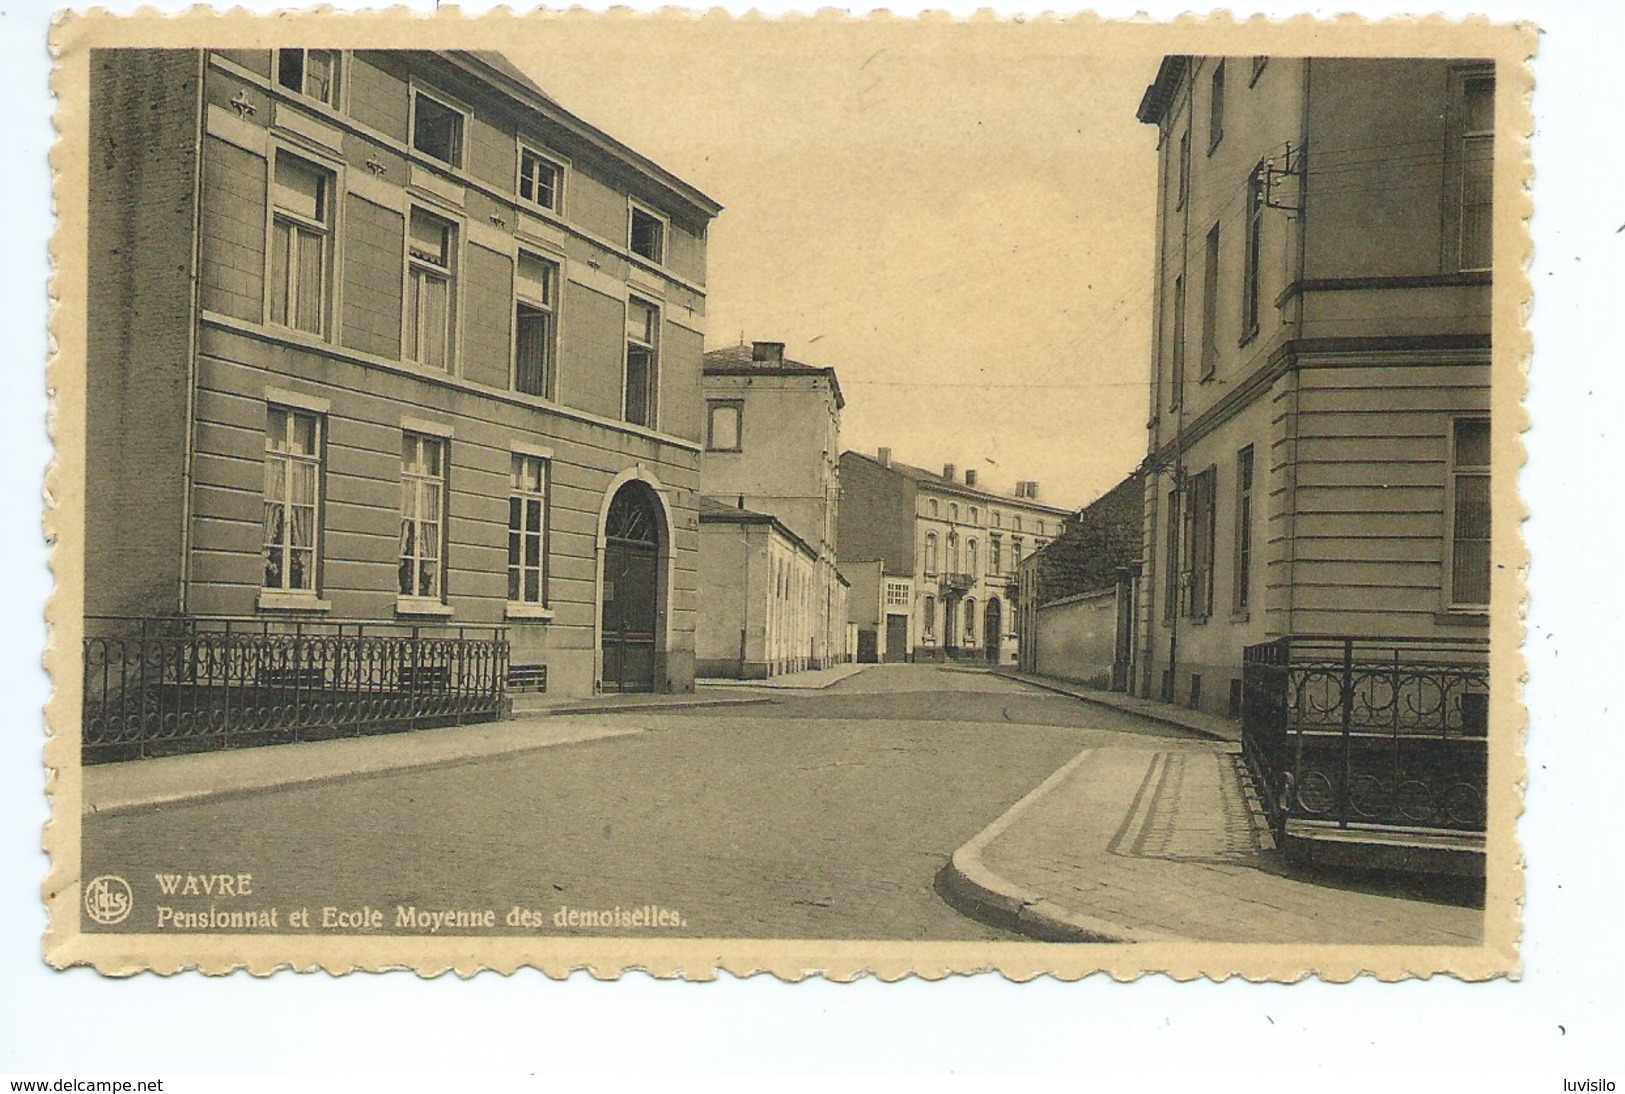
x=965 y=234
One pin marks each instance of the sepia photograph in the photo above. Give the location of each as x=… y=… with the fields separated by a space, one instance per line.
x=507 y=508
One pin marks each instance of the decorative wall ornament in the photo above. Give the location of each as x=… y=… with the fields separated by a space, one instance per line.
x=243 y=106
x=376 y=166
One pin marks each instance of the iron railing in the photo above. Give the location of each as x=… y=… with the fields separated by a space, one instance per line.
x=1388 y=733
x=158 y=686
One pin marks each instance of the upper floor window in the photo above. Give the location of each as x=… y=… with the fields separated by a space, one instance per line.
x=953 y=553
x=930 y=552
x=648 y=234
x=1041 y=528
x=642 y=350
x=527 y=530
x=995 y=563
x=1016 y=522
x=996 y=518
x=1253 y=253
x=975 y=517
x=301 y=227
x=293 y=466
x=1477 y=119
x=723 y=425
x=1176 y=379
x=430 y=300
x=933 y=507
x=535 y=288
x=970 y=558
x=897 y=594
x=312 y=72
x=953 y=511
x=541 y=179
x=1210 y=305
x=1215 y=107
x=1470 y=513
x=1184 y=182
x=437 y=129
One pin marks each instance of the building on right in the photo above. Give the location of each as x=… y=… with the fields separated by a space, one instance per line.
x=1317 y=480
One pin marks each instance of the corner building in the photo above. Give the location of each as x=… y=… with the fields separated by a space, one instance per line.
x=392 y=338
x=1319 y=429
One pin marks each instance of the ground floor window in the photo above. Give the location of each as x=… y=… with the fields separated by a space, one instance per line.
x=293 y=465
x=423 y=515
x=527 y=531
x=1470 y=514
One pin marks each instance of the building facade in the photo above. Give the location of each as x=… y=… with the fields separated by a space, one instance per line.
x=772 y=442
x=950 y=550
x=1319 y=423
x=390 y=337
x=1075 y=602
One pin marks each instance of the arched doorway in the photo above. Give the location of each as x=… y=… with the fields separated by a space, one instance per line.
x=993 y=630
x=629 y=610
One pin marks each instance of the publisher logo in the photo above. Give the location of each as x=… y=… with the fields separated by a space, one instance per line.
x=108 y=899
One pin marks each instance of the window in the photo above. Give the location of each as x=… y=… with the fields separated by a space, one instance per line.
x=541 y=180
x=1255 y=231
x=933 y=507
x=975 y=517
x=1477 y=171
x=1016 y=522
x=437 y=129
x=1184 y=190
x=953 y=512
x=1470 y=514
x=1041 y=528
x=1015 y=551
x=995 y=564
x=1210 y=306
x=536 y=286
x=1176 y=385
x=953 y=553
x=930 y=613
x=1244 y=527
x=897 y=594
x=423 y=515
x=527 y=531
x=970 y=621
x=301 y=226
x=723 y=433
x=1215 y=108
x=642 y=351
x=996 y=518
x=970 y=558
x=1171 y=569
x=930 y=552
x=1201 y=524
x=312 y=72
x=293 y=474
x=430 y=274
x=648 y=235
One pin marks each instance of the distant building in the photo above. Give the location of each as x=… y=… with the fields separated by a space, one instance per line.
x=949 y=549
x=772 y=439
x=1076 y=596
x=388 y=340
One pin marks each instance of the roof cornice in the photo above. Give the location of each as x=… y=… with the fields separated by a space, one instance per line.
x=1154 y=103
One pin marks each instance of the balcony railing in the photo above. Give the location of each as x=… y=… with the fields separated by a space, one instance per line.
x=953 y=582
x=1386 y=733
x=163 y=686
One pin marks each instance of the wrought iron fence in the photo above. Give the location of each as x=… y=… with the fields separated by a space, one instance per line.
x=1375 y=732
x=168 y=685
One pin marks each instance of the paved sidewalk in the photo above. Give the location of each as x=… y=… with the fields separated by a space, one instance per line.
x=811 y=680
x=137 y=785
x=1135 y=844
x=1215 y=726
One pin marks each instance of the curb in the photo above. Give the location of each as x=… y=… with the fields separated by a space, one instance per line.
x=638 y=708
x=968 y=884
x=1160 y=719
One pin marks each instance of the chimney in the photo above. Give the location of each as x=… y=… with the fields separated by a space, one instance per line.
x=1032 y=489
x=767 y=353
x=948 y=471
x=884 y=455
x=970 y=476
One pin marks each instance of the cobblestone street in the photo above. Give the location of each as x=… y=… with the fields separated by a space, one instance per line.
x=822 y=815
